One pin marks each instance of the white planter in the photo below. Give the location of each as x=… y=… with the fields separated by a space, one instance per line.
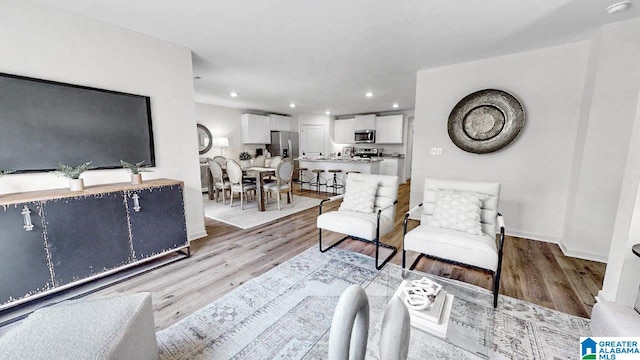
x=245 y=163
x=136 y=179
x=76 y=184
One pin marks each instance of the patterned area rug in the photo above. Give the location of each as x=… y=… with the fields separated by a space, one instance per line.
x=250 y=216
x=286 y=314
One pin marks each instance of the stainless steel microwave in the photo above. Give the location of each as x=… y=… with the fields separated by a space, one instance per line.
x=365 y=136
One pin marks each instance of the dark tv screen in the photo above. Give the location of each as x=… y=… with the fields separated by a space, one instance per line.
x=45 y=123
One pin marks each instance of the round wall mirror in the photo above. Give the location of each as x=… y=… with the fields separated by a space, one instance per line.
x=204 y=139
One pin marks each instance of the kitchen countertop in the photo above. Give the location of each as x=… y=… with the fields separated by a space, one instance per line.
x=353 y=160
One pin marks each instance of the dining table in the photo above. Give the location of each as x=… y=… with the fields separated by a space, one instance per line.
x=259 y=173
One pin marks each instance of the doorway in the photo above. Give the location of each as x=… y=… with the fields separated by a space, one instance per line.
x=312 y=141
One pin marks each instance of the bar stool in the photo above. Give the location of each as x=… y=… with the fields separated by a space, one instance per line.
x=317 y=182
x=335 y=185
x=301 y=177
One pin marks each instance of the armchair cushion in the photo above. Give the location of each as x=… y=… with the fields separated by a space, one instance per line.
x=476 y=250
x=360 y=197
x=458 y=210
x=354 y=223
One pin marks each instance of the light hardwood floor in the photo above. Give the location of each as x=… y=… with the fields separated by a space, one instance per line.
x=533 y=271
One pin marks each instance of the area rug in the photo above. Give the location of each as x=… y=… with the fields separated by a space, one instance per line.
x=250 y=216
x=286 y=313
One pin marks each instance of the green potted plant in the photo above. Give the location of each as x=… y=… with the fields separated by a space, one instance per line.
x=245 y=159
x=135 y=169
x=73 y=173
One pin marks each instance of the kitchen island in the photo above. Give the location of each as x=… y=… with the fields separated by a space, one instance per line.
x=363 y=165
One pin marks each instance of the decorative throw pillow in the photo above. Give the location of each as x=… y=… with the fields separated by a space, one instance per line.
x=359 y=196
x=458 y=210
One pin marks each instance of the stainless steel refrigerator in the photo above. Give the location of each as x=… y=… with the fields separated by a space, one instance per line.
x=286 y=144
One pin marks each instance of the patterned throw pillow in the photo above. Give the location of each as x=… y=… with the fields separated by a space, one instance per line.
x=458 y=210
x=359 y=196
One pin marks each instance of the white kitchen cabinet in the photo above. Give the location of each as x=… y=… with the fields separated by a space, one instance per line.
x=343 y=130
x=389 y=129
x=393 y=166
x=389 y=166
x=280 y=122
x=365 y=122
x=256 y=129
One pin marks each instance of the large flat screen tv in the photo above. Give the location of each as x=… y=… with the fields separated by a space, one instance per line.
x=45 y=123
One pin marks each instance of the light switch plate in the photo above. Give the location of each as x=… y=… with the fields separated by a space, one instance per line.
x=436 y=151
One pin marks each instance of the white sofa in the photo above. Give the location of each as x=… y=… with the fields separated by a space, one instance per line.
x=610 y=319
x=110 y=328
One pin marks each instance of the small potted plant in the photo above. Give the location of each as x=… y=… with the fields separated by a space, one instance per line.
x=135 y=169
x=245 y=159
x=73 y=173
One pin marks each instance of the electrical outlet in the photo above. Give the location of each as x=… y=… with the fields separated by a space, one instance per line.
x=436 y=151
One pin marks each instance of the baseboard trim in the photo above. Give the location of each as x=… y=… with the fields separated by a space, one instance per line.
x=567 y=252
x=583 y=255
x=530 y=236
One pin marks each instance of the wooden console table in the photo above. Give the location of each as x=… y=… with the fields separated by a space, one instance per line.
x=56 y=239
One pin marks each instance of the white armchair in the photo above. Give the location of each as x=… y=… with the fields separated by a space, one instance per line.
x=366 y=213
x=458 y=223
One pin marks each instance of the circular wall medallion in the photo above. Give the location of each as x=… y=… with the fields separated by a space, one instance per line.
x=485 y=121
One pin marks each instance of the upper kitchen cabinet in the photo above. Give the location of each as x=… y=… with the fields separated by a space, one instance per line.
x=343 y=131
x=280 y=122
x=389 y=129
x=365 y=122
x=256 y=129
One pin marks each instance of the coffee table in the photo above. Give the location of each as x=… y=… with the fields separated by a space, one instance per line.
x=470 y=329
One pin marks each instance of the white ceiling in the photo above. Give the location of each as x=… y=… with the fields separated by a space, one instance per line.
x=325 y=54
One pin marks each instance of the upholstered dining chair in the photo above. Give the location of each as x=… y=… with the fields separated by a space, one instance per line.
x=284 y=181
x=273 y=164
x=366 y=213
x=220 y=160
x=258 y=161
x=458 y=224
x=220 y=184
x=237 y=185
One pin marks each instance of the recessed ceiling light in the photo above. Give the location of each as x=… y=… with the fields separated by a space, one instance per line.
x=618 y=7
x=327 y=112
x=368 y=94
x=233 y=94
x=395 y=106
x=292 y=105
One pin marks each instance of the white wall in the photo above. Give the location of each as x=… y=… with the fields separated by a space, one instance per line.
x=535 y=169
x=222 y=122
x=621 y=90
x=44 y=42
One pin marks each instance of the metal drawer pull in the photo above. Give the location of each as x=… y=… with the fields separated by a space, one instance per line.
x=26 y=214
x=136 y=203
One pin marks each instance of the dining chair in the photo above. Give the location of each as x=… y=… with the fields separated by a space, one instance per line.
x=237 y=185
x=284 y=181
x=219 y=182
x=274 y=165
x=220 y=160
x=258 y=161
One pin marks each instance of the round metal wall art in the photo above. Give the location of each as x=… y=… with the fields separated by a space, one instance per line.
x=485 y=121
